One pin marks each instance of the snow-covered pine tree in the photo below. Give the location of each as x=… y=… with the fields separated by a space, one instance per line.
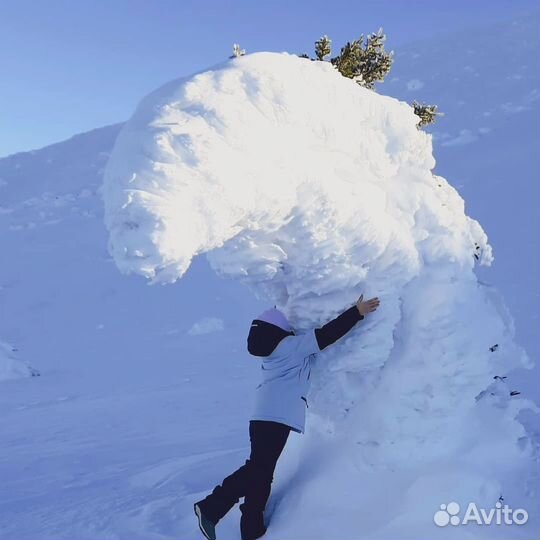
x=237 y=51
x=395 y=401
x=348 y=60
x=427 y=113
x=365 y=62
x=323 y=47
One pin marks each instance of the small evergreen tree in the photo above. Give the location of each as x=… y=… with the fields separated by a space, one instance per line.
x=348 y=60
x=427 y=113
x=323 y=47
x=365 y=60
x=237 y=51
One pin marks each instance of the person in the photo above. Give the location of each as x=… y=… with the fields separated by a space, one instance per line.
x=280 y=407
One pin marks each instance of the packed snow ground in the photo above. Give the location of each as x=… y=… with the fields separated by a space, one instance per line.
x=116 y=439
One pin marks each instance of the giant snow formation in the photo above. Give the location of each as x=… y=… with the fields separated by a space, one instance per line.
x=313 y=190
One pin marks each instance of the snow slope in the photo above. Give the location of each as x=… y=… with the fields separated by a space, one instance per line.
x=106 y=442
x=113 y=440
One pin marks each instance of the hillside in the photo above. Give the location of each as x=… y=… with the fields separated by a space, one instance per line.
x=112 y=441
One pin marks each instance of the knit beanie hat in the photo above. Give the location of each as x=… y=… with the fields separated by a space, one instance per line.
x=275 y=317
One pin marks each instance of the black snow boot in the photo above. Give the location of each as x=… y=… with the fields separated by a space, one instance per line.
x=207 y=527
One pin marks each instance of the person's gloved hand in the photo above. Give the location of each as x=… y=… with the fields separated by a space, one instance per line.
x=368 y=306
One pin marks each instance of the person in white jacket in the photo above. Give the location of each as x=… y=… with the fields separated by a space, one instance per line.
x=280 y=406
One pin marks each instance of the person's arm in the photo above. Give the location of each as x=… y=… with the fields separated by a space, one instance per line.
x=337 y=328
x=342 y=324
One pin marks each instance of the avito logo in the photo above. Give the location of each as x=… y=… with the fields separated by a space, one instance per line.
x=448 y=514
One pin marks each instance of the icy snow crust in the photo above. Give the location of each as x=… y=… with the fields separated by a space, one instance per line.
x=313 y=190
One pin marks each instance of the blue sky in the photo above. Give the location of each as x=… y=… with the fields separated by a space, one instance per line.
x=68 y=66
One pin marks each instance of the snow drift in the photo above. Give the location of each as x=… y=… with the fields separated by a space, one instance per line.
x=12 y=367
x=313 y=190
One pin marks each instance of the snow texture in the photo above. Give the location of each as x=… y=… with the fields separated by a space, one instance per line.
x=11 y=367
x=206 y=325
x=312 y=190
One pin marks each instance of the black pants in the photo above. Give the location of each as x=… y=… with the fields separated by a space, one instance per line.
x=252 y=480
